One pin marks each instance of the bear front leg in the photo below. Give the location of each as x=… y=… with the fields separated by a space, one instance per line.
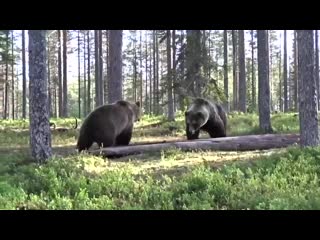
x=191 y=136
x=125 y=137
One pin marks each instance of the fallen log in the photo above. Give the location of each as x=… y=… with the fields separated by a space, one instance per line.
x=238 y=143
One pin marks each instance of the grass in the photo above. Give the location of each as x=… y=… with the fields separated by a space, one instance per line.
x=171 y=179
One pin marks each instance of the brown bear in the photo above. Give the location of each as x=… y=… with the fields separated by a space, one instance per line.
x=109 y=125
x=205 y=115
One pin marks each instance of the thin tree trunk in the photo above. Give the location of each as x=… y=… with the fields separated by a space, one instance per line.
x=40 y=135
x=146 y=88
x=317 y=66
x=225 y=68
x=84 y=76
x=60 y=76
x=65 y=72
x=24 y=80
x=6 y=100
x=264 y=86
x=141 y=79
x=154 y=72
x=89 y=75
x=309 y=130
x=169 y=75
x=295 y=80
x=12 y=76
x=285 y=73
x=235 y=78
x=280 y=84
x=253 y=77
x=101 y=85
x=107 y=67
x=174 y=80
x=134 y=69
x=97 y=65
x=79 y=78
x=150 y=81
x=242 y=73
x=49 y=78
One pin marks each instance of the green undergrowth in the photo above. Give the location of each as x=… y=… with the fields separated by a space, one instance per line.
x=286 y=180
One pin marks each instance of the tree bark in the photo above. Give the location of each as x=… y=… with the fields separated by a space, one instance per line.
x=115 y=83
x=253 y=77
x=264 y=86
x=317 y=66
x=235 y=76
x=65 y=72
x=308 y=114
x=242 y=73
x=79 y=77
x=40 y=135
x=239 y=143
x=60 y=75
x=24 y=81
x=285 y=73
x=12 y=76
x=89 y=74
x=225 y=68
x=169 y=75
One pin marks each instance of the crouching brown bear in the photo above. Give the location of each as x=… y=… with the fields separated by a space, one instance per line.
x=205 y=115
x=109 y=125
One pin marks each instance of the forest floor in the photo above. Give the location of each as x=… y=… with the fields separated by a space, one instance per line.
x=170 y=179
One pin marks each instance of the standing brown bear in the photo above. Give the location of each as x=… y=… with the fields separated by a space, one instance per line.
x=109 y=125
x=205 y=115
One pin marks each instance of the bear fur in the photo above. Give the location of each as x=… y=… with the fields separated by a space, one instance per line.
x=205 y=115
x=109 y=125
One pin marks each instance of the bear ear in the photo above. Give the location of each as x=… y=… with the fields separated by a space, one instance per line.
x=138 y=103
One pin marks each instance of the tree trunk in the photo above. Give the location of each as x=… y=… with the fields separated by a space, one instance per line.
x=101 y=85
x=141 y=79
x=146 y=68
x=309 y=129
x=157 y=76
x=235 y=77
x=280 y=85
x=107 y=67
x=225 y=68
x=263 y=78
x=173 y=72
x=6 y=100
x=40 y=135
x=24 y=80
x=134 y=85
x=285 y=73
x=60 y=76
x=65 y=72
x=115 y=84
x=84 y=76
x=154 y=72
x=295 y=80
x=150 y=81
x=49 y=79
x=242 y=73
x=79 y=78
x=96 y=68
x=12 y=76
x=253 y=77
x=89 y=74
x=239 y=143
x=169 y=75
x=317 y=67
